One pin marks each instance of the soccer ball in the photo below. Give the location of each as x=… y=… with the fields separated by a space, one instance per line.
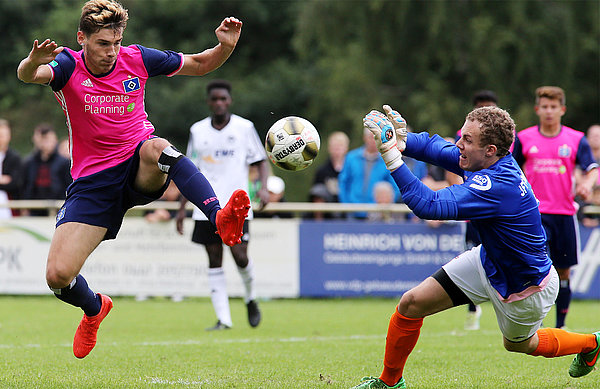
x=292 y=143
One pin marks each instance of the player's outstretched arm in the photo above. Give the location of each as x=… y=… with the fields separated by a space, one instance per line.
x=228 y=34
x=32 y=68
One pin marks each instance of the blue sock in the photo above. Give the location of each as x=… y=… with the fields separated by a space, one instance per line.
x=195 y=187
x=562 y=302
x=80 y=295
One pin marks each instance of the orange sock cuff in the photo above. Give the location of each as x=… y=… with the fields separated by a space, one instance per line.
x=408 y=323
x=554 y=342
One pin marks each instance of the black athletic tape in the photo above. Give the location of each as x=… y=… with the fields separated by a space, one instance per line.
x=169 y=157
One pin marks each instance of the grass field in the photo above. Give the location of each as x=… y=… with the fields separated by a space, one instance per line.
x=300 y=344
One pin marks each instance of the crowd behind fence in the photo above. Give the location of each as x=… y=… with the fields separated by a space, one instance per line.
x=295 y=208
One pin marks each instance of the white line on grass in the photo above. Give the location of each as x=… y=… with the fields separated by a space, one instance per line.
x=195 y=342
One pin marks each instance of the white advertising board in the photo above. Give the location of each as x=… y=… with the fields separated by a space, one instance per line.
x=151 y=259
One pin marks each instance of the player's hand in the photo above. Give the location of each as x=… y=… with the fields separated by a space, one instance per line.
x=382 y=130
x=44 y=53
x=264 y=196
x=228 y=32
x=399 y=126
x=179 y=220
x=584 y=191
x=385 y=138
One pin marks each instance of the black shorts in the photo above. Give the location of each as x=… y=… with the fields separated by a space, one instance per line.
x=206 y=233
x=562 y=232
x=101 y=199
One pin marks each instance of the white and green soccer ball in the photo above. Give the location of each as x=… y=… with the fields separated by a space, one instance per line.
x=292 y=143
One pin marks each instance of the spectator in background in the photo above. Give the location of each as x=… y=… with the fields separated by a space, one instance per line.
x=363 y=168
x=10 y=169
x=383 y=193
x=337 y=147
x=46 y=174
x=223 y=146
x=593 y=137
x=484 y=98
x=254 y=186
x=319 y=194
x=548 y=153
x=276 y=191
x=593 y=220
x=64 y=149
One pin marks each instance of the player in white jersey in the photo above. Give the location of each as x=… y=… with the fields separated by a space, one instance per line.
x=223 y=146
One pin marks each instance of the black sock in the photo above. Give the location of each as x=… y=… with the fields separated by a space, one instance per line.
x=562 y=302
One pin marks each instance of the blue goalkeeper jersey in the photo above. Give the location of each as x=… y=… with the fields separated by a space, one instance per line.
x=500 y=204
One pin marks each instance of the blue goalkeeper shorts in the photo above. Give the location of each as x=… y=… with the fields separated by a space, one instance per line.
x=102 y=199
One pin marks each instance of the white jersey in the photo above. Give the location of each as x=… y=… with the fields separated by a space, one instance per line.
x=223 y=156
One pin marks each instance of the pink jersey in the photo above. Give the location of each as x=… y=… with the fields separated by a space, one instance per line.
x=106 y=117
x=549 y=165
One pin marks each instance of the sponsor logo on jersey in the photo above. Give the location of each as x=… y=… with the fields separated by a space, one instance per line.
x=481 y=182
x=131 y=84
x=534 y=150
x=564 y=151
x=87 y=82
x=524 y=185
x=61 y=213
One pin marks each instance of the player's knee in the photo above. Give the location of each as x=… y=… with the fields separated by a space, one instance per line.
x=241 y=261
x=169 y=156
x=518 y=347
x=58 y=277
x=408 y=303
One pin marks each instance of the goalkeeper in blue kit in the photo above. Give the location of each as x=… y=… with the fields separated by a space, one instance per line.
x=510 y=269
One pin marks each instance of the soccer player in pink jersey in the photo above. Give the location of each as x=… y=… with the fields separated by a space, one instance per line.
x=116 y=161
x=548 y=153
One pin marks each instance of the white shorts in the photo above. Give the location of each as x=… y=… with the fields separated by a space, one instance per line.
x=517 y=320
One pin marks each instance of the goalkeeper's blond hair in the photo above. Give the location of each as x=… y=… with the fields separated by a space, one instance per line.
x=497 y=128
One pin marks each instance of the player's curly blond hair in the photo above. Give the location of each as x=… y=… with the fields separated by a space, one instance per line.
x=497 y=128
x=99 y=14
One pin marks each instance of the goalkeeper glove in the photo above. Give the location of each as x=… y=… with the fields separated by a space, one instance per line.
x=399 y=125
x=385 y=137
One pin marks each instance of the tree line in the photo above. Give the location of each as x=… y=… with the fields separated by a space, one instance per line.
x=333 y=61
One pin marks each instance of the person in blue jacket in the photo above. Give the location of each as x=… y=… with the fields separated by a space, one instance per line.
x=510 y=268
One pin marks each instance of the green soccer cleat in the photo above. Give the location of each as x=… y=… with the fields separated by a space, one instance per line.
x=376 y=383
x=584 y=362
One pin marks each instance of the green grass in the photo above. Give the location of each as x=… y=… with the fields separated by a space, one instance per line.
x=300 y=344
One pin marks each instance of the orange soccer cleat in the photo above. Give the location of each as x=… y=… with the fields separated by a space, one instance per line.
x=230 y=220
x=85 y=336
